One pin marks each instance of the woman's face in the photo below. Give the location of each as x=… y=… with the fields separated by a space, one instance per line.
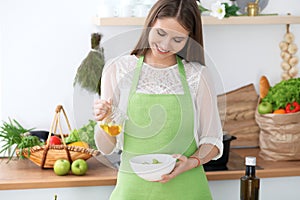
x=167 y=37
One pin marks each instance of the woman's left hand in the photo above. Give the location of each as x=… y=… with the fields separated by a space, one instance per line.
x=183 y=164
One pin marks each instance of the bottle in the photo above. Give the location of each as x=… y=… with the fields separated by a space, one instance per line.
x=249 y=184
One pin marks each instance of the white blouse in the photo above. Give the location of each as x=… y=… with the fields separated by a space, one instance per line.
x=116 y=84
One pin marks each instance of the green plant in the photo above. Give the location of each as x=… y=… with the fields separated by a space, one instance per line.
x=85 y=134
x=14 y=136
x=220 y=9
x=284 y=92
x=89 y=72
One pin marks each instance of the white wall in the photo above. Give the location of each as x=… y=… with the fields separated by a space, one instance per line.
x=43 y=43
x=1 y=67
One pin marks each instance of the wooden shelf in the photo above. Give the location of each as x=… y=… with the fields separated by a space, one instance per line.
x=206 y=20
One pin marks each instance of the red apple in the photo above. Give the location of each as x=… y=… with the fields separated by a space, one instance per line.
x=54 y=140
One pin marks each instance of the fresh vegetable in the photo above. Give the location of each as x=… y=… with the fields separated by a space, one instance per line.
x=84 y=134
x=79 y=144
x=54 y=140
x=292 y=107
x=73 y=137
x=154 y=161
x=289 y=60
x=279 y=111
x=28 y=141
x=283 y=93
x=16 y=137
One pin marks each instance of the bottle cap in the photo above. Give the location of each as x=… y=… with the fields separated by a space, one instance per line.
x=250 y=161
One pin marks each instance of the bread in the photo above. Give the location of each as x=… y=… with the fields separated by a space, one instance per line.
x=264 y=87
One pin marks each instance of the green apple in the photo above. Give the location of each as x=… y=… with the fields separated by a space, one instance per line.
x=61 y=167
x=79 y=167
x=265 y=107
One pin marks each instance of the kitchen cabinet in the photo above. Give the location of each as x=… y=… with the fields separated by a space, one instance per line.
x=206 y=20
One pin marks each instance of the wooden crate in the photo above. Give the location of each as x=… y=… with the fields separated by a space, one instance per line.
x=239 y=115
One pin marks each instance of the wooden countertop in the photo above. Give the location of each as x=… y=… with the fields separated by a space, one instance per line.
x=23 y=174
x=265 y=169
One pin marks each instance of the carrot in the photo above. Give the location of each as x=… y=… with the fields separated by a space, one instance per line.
x=279 y=111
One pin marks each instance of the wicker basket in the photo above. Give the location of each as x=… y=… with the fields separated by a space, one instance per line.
x=46 y=155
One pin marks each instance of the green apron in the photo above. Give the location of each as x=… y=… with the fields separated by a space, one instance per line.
x=161 y=123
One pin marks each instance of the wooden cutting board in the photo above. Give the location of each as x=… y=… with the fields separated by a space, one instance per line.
x=239 y=112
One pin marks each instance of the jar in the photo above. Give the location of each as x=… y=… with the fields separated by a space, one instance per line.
x=252 y=9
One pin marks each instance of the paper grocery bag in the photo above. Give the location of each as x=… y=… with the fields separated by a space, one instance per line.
x=279 y=137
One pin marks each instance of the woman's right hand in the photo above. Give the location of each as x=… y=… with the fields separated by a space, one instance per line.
x=101 y=108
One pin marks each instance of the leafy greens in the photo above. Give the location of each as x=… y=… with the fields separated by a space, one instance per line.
x=284 y=92
x=85 y=134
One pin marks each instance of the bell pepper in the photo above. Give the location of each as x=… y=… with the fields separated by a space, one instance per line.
x=292 y=107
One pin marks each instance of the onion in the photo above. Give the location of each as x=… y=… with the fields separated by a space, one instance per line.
x=292 y=48
x=285 y=56
x=293 y=71
x=283 y=46
x=293 y=61
x=289 y=37
x=285 y=76
x=285 y=66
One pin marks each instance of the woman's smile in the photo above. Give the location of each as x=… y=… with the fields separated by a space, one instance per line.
x=166 y=37
x=161 y=50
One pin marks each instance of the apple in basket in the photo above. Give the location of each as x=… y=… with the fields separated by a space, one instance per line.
x=54 y=140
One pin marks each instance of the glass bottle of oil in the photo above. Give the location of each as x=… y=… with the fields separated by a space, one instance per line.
x=249 y=184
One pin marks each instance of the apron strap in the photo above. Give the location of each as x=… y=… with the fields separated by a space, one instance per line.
x=136 y=75
x=182 y=75
x=138 y=69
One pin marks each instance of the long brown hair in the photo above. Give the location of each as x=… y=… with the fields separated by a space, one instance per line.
x=186 y=12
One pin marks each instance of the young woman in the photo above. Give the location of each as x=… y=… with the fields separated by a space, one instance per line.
x=167 y=93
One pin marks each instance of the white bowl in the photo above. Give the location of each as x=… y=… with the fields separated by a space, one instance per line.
x=144 y=167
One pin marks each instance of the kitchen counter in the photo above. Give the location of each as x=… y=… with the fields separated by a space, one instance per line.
x=23 y=174
x=265 y=169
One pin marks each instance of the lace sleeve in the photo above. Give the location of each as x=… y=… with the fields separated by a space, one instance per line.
x=210 y=128
x=108 y=91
